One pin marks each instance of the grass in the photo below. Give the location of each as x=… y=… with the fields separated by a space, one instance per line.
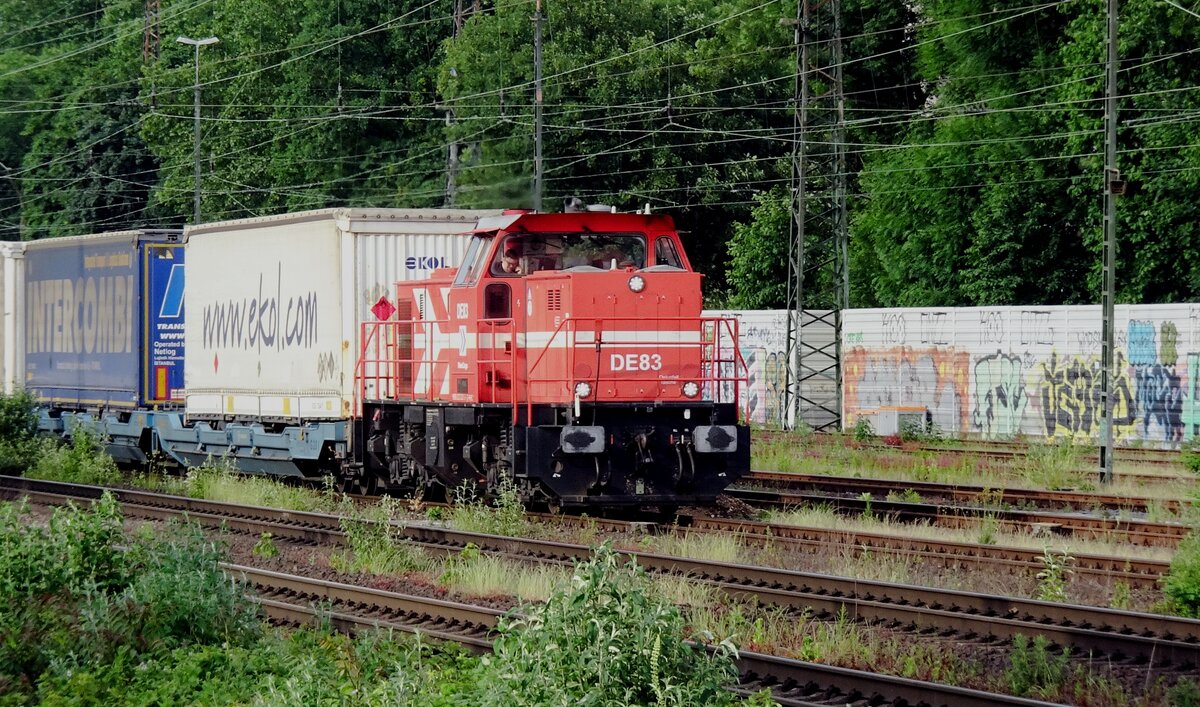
x=475 y=574
x=219 y=480
x=713 y=547
x=375 y=542
x=988 y=532
x=1047 y=466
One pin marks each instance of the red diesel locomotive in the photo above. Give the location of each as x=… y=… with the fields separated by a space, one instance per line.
x=567 y=354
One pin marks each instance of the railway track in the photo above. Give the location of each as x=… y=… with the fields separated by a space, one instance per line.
x=1156 y=640
x=1103 y=569
x=290 y=599
x=1076 y=500
x=1112 y=529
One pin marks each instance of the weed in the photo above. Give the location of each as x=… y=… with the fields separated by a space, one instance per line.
x=838 y=641
x=1186 y=693
x=18 y=424
x=218 y=479
x=265 y=547
x=988 y=527
x=863 y=431
x=1121 y=596
x=905 y=496
x=505 y=517
x=1034 y=668
x=435 y=513
x=866 y=498
x=82 y=461
x=1189 y=454
x=603 y=639
x=923 y=430
x=1052 y=580
x=1055 y=466
x=1182 y=583
x=78 y=594
x=714 y=547
x=475 y=574
x=376 y=543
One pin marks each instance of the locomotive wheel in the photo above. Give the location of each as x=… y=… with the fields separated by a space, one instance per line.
x=365 y=485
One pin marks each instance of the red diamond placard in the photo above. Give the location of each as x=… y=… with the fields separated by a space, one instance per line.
x=383 y=310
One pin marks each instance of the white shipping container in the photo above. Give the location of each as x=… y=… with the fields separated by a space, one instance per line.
x=274 y=304
x=12 y=307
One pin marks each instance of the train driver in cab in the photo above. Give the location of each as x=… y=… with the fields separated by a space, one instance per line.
x=510 y=262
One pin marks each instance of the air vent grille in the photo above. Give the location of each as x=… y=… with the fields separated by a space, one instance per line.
x=554 y=300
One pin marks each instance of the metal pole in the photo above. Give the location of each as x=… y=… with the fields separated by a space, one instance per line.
x=537 y=106
x=196 y=141
x=1113 y=186
x=197 y=43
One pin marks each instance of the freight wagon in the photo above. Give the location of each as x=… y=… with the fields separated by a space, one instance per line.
x=274 y=307
x=102 y=332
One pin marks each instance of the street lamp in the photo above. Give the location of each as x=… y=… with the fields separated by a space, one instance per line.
x=197 y=43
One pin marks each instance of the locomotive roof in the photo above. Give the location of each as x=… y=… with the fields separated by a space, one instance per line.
x=581 y=222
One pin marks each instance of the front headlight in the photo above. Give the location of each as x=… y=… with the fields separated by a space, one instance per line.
x=691 y=389
x=637 y=283
x=583 y=389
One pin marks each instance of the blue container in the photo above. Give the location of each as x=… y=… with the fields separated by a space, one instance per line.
x=104 y=320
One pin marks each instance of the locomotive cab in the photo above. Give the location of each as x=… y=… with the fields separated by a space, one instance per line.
x=568 y=355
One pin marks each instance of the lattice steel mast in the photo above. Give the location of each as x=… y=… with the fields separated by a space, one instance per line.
x=818 y=277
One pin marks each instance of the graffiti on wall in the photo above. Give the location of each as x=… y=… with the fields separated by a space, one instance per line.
x=1071 y=400
x=1153 y=356
x=935 y=379
x=1000 y=398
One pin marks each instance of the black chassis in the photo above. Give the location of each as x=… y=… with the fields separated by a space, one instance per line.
x=613 y=455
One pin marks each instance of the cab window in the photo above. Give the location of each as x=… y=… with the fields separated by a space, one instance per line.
x=665 y=253
x=473 y=262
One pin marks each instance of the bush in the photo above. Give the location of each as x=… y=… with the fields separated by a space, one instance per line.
x=78 y=595
x=18 y=429
x=863 y=431
x=1182 y=583
x=604 y=640
x=1190 y=456
x=81 y=461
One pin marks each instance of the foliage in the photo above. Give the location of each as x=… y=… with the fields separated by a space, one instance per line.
x=1182 y=583
x=19 y=447
x=1055 y=465
x=79 y=595
x=863 y=431
x=604 y=640
x=1052 y=579
x=1034 y=668
x=81 y=460
x=265 y=547
x=506 y=515
x=376 y=543
x=218 y=479
x=1185 y=693
x=1190 y=456
x=905 y=496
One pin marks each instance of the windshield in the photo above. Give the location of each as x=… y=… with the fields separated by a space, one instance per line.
x=472 y=264
x=524 y=254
